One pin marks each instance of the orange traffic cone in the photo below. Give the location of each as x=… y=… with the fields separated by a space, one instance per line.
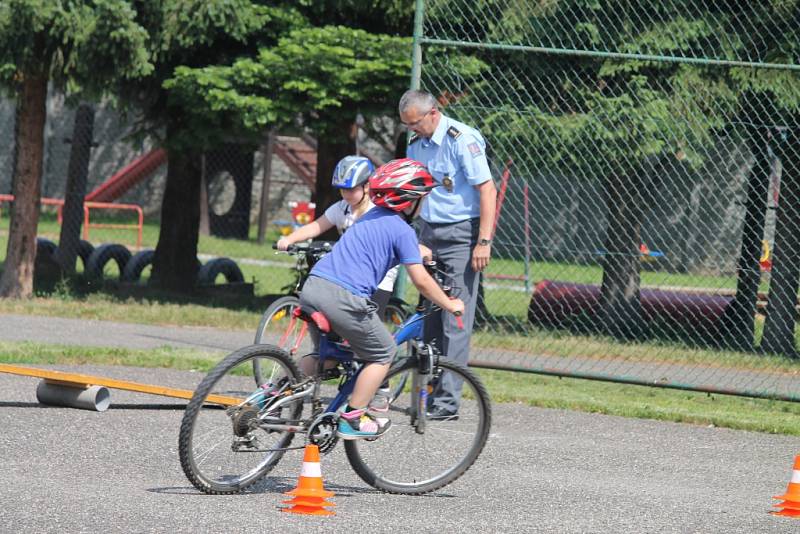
x=309 y=493
x=791 y=499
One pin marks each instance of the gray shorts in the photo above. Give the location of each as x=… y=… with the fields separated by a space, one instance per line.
x=354 y=318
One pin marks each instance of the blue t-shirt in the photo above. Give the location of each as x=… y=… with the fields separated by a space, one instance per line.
x=378 y=241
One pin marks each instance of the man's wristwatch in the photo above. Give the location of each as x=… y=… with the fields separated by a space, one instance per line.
x=484 y=242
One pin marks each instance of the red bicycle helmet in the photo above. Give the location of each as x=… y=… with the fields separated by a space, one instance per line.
x=399 y=183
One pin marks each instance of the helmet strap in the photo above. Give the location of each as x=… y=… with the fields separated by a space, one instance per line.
x=364 y=197
x=408 y=215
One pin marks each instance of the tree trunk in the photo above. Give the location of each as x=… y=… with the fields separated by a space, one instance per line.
x=77 y=173
x=175 y=262
x=620 y=313
x=267 y=151
x=781 y=306
x=330 y=149
x=17 y=278
x=737 y=324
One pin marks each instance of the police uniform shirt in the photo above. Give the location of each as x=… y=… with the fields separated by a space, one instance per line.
x=455 y=155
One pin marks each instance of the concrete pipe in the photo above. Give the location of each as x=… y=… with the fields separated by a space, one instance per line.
x=95 y=398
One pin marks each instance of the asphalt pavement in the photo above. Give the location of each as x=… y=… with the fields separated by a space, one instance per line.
x=69 y=470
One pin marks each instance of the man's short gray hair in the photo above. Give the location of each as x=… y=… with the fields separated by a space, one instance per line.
x=421 y=100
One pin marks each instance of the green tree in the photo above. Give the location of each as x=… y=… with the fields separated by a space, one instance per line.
x=629 y=122
x=192 y=34
x=775 y=96
x=782 y=305
x=624 y=123
x=322 y=76
x=73 y=46
x=383 y=18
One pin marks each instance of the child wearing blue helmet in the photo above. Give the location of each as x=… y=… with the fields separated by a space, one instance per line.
x=350 y=177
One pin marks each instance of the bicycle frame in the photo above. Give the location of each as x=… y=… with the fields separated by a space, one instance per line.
x=278 y=407
x=410 y=329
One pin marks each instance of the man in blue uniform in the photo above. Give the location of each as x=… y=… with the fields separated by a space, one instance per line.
x=456 y=221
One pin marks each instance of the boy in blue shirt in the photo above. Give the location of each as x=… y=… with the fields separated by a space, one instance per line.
x=341 y=283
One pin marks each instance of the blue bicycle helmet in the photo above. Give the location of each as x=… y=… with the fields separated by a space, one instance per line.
x=352 y=171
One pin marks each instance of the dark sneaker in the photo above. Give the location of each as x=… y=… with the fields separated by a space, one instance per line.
x=440 y=413
x=358 y=424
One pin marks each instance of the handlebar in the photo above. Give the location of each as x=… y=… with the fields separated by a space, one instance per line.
x=312 y=247
x=323 y=247
x=438 y=275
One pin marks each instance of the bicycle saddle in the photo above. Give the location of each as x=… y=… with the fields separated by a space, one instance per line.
x=318 y=318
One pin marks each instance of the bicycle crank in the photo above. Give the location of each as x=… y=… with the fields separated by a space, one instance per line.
x=322 y=432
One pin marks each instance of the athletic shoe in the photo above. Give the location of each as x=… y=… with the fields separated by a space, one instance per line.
x=358 y=424
x=380 y=402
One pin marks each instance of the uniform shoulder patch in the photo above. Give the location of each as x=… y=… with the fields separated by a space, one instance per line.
x=413 y=138
x=453 y=132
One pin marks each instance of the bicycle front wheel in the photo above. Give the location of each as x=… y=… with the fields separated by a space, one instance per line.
x=222 y=446
x=434 y=454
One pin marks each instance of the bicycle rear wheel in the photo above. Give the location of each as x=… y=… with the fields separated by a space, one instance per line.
x=435 y=456
x=395 y=313
x=222 y=449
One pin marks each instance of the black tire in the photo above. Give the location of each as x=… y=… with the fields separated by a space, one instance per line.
x=396 y=312
x=137 y=264
x=209 y=432
x=208 y=273
x=85 y=250
x=435 y=457
x=102 y=255
x=45 y=248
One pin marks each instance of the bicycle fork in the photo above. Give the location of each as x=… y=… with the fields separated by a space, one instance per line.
x=420 y=385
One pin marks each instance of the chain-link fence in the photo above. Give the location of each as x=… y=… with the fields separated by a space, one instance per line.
x=645 y=154
x=646 y=159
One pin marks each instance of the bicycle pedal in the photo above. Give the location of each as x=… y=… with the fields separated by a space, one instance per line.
x=330 y=374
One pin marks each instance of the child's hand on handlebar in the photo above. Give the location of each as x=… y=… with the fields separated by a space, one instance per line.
x=426 y=253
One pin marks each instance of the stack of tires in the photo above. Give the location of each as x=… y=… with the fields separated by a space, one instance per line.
x=131 y=266
x=46 y=251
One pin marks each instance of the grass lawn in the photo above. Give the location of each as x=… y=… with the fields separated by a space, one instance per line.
x=532 y=390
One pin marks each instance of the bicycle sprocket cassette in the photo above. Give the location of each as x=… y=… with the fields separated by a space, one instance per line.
x=322 y=432
x=241 y=419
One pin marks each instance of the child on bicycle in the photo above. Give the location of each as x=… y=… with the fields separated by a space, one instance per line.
x=341 y=283
x=350 y=178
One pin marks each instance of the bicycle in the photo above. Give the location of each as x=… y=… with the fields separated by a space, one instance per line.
x=245 y=413
x=275 y=328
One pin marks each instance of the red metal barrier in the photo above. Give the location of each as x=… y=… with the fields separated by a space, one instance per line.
x=87 y=206
x=111 y=206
